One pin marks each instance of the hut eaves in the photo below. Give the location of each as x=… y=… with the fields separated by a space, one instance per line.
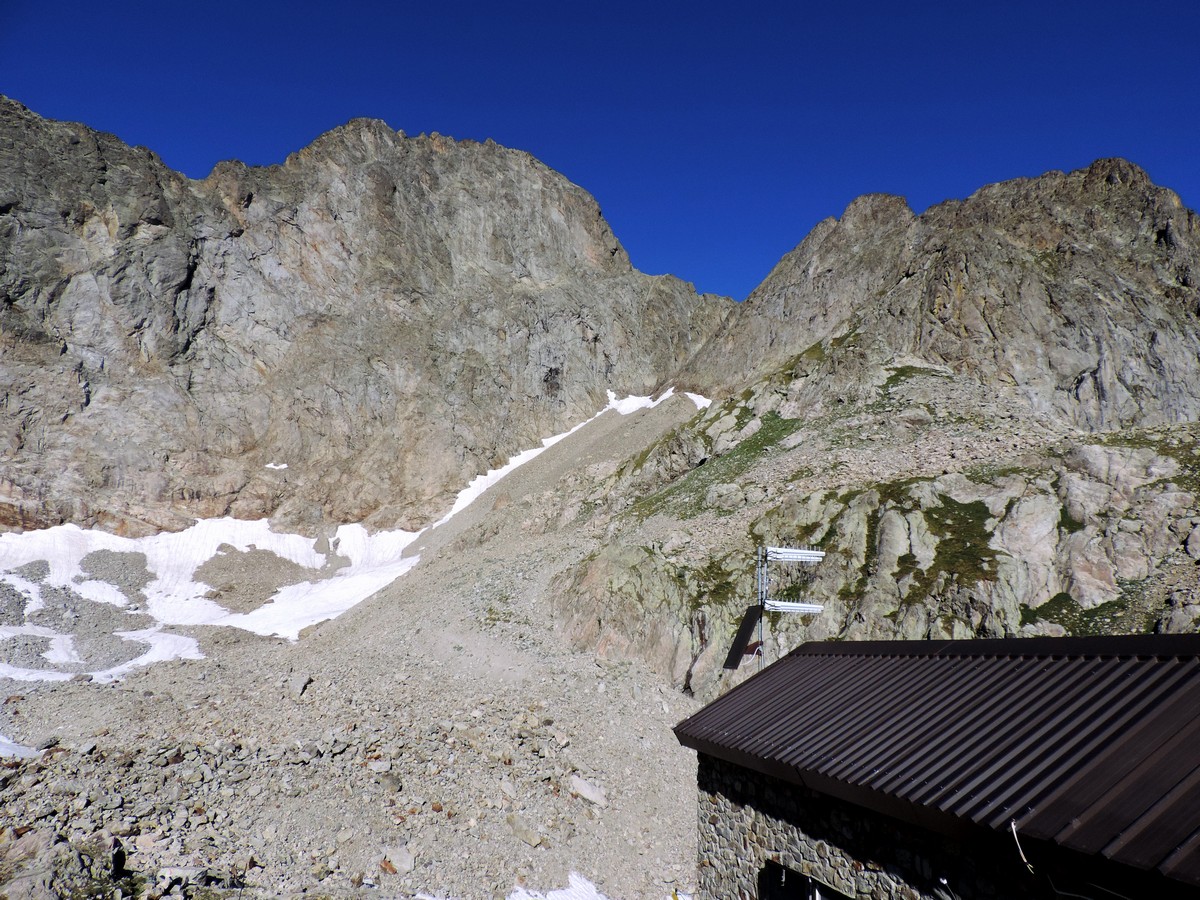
x=1089 y=743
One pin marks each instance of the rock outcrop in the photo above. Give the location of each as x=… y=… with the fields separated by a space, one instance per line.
x=1079 y=291
x=984 y=414
x=384 y=316
x=932 y=528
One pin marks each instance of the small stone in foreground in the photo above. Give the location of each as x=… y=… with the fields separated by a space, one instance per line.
x=297 y=684
x=588 y=791
x=522 y=830
x=401 y=859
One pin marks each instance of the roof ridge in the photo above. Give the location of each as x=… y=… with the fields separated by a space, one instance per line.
x=1139 y=645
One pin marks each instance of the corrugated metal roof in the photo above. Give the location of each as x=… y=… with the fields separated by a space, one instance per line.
x=1090 y=743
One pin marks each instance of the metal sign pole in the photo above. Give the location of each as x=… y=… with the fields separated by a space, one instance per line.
x=762 y=602
x=786 y=555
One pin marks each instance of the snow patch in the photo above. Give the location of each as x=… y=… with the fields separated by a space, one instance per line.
x=62 y=651
x=376 y=560
x=18 y=673
x=10 y=748
x=578 y=888
x=62 y=547
x=481 y=483
x=163 y=646
x=31 y=591
x=175 y=598
x=99 y=591
x=12 y=631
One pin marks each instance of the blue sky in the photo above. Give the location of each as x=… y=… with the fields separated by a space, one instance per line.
x=713 y=135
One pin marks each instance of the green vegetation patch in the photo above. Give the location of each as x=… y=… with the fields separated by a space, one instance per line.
x=799 y=365
x=814 y=354
x=907 y=565
x=900 y=374
x=801 y=473
x=684 y=498
x=714 y=585
x=1179 y=442
x=718 y=584
x=892 y=495
x=844 y=340
x=797 y=588
x=1050 y=262
x=806 y=536
x=1114 y=617
x=1069 y=523
x=963 y=548
x=780 y=525
x=898 y=493
x=963 y=553
x=991 y=472
x=744 y=415
x=676 y=435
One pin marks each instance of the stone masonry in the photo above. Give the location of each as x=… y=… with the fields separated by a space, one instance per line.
x=748 y=820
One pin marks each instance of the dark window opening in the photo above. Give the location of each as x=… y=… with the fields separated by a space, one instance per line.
x=776 y=882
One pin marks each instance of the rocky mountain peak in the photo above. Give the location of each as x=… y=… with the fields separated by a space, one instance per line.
x=1115 y=170
x=1078 y=288
x=870 y=212
x=984 y=416
x=387 y=316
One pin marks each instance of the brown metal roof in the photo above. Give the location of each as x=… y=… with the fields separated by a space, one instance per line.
x=1089 y=743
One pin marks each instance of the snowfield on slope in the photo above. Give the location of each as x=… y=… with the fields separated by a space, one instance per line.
x=48 y=574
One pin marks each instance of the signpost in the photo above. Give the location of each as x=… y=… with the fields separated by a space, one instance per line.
x=755 y=614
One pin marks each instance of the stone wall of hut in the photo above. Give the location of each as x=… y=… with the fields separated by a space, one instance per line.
x=764 y=838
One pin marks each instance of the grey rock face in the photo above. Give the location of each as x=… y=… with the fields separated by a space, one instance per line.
x=886 y=371
x=1079 y=290
x=1085 y=541
x=386 y=316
